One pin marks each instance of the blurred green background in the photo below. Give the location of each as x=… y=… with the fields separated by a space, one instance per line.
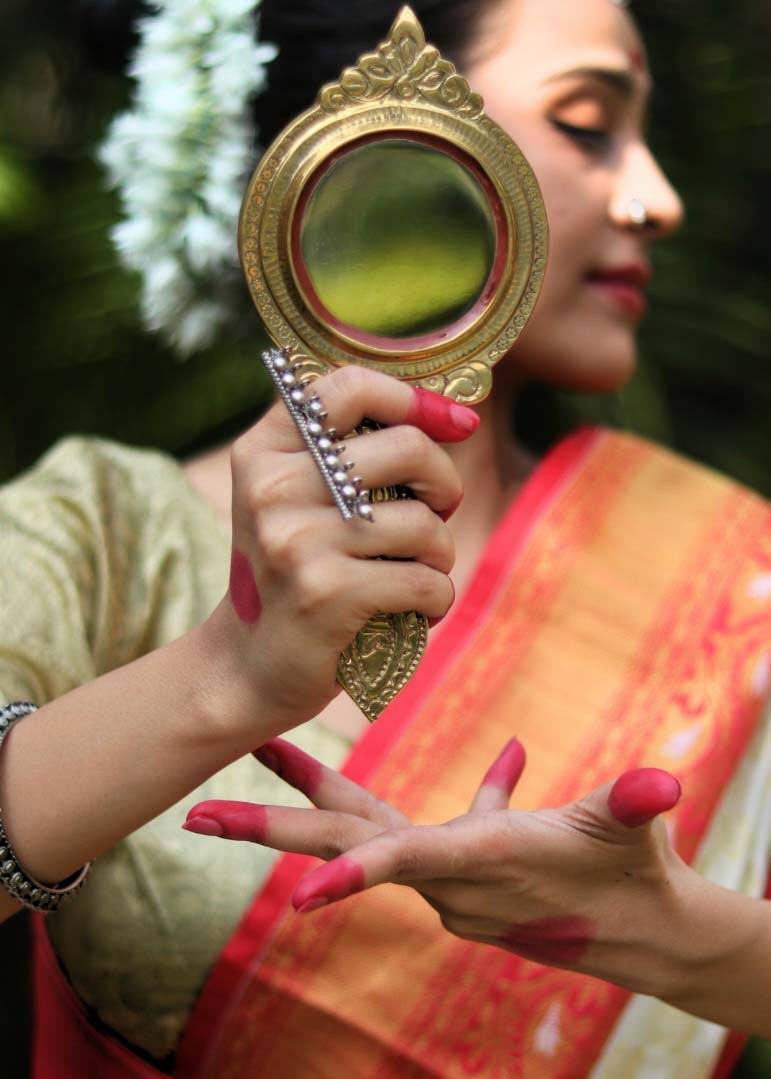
x=75 y=359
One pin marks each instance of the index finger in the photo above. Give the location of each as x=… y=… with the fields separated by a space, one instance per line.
x=351 y=394
x=400 y=856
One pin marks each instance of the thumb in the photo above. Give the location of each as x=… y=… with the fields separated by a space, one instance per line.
x=642 y=794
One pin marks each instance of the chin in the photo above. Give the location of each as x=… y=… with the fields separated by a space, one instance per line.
x=587 y=359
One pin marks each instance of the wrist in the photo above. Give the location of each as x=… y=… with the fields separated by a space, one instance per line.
x=714 y=931
x=230 y=709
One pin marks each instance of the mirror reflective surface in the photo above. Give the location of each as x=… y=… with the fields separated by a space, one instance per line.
x=396 y=239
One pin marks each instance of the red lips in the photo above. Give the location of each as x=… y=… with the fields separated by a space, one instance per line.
x=624 y=286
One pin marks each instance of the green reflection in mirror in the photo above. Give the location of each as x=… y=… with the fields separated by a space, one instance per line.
x=398 y=239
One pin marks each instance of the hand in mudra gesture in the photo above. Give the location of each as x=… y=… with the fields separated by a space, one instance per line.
x=587 y=886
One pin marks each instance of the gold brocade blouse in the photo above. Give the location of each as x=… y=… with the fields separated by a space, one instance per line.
x=107 y=553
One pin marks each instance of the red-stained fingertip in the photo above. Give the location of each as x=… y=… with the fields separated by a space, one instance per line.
x=508 y=766
x=228 y=820
x=335 y=880
x=441 y=418
x=298 y=768
x=642 y=794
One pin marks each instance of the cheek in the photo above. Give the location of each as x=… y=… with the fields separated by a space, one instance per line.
x=244 y=594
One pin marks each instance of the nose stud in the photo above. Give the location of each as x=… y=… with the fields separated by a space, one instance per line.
x=637 y=213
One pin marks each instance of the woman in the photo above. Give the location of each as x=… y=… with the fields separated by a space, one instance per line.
x=117 y=563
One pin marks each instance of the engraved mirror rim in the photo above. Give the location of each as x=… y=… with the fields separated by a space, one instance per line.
x=417 y=344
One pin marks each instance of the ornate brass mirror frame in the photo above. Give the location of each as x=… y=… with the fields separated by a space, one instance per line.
x=402 y=91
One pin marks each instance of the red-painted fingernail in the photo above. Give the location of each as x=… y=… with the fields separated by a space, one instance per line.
x=641 y=794
x=204 y=826
x=442 y=419
x=335 y=880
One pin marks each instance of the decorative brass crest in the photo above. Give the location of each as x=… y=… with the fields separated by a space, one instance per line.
x=404 y=67
x=405 y=97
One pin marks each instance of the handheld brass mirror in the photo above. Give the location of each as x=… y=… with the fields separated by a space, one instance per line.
x=394 y=225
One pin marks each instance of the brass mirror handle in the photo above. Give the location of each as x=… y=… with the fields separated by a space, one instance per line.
x=386 y=651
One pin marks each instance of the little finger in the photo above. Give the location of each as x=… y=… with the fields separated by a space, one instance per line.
x=395 y=587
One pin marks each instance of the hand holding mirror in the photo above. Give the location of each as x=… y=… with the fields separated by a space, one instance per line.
x=394 y=225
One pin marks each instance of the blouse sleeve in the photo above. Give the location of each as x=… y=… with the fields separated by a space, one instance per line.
x=75 y=530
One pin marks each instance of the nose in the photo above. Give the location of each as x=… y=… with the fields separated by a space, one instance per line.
x=643 y=197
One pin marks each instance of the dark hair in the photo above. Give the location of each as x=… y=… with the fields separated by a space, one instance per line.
x=317 y=39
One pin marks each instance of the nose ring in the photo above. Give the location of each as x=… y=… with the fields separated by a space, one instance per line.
x=637 y=213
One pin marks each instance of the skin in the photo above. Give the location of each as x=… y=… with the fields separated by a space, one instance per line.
x=588 y=171
x=593 y=886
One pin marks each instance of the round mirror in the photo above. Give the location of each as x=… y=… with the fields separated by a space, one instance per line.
x=399 y=241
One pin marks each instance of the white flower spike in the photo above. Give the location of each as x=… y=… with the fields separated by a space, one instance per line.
x=179 y=158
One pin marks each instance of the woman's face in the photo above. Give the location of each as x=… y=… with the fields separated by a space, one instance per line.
x=569 y=82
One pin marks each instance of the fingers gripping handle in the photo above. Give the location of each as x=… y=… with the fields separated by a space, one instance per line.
x=309 y=415
x=386 y=651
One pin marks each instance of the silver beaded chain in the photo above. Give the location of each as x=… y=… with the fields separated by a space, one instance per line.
x=309 y=414
x=28 y=891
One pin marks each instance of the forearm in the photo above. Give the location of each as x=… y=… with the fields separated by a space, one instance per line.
x=722 y=963
x=92 y=766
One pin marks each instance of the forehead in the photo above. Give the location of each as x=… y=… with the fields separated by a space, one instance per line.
x=538 y=40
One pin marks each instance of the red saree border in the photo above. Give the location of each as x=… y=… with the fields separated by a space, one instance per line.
x=251 y=938
x=664 y=673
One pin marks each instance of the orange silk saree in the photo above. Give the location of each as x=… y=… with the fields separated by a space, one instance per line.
x=620 y=616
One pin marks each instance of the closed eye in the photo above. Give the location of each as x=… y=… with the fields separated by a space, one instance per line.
x=592 y=139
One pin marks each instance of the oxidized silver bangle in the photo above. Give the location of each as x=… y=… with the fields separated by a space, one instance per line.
x=23 y=887
x=309 y=415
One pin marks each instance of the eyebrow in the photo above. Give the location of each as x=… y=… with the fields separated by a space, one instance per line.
x=621 y=81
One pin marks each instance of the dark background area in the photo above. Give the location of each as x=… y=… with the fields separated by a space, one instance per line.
x=74 y=358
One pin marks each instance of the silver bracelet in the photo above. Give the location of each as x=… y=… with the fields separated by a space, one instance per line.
x=28 y=891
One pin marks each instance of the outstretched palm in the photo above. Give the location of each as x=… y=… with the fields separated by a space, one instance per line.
x=572 y=887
